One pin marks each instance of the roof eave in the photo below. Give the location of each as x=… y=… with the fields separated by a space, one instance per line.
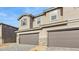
x=25 y=15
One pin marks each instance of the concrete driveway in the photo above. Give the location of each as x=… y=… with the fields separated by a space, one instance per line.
x=62 y=49
x=25 y=47
x=16 y=47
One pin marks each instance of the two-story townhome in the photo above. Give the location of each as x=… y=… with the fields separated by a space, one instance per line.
x=55 y=27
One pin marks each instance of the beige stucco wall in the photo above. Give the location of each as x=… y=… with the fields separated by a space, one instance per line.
x=35 y=23
x=46 y=18
x=25 y=27
x=70 y=13
x=43 y=37
x=42 y=20
x=51 y=13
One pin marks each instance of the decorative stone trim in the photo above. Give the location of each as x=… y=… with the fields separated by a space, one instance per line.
x=55 y=24
x=73 y=20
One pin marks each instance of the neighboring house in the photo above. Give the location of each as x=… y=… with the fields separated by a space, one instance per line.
x=7 y=33
x=56 y=27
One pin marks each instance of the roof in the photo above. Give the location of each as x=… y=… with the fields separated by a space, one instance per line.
x=49 y=9
x=39 y=14
x=8 y=25
x=25 y=15
x=45 y=11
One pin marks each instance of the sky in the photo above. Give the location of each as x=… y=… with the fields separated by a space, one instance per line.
x=9 y=15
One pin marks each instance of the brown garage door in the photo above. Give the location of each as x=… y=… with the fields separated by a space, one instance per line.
x=29 y=38
x=64 y=38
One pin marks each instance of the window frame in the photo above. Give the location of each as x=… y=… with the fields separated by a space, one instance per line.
x=23 y=22
x=39 y=20
x=53 y=17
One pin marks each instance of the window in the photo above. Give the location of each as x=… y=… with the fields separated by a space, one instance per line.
x=53 y=17
x=23 y=22
x=38 y=21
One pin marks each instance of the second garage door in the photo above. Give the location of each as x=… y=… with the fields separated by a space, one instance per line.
x=69 y=38
x=32 y=38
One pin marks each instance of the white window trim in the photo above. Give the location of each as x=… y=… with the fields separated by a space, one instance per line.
x=23 y=21
x=39 y=19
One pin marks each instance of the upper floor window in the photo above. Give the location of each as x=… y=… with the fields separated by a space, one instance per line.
x=53 y=17
x=23 y=22
x=38 y=21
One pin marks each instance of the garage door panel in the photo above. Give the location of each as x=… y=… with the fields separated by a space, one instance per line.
x=64 y=39
x=29 y=39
